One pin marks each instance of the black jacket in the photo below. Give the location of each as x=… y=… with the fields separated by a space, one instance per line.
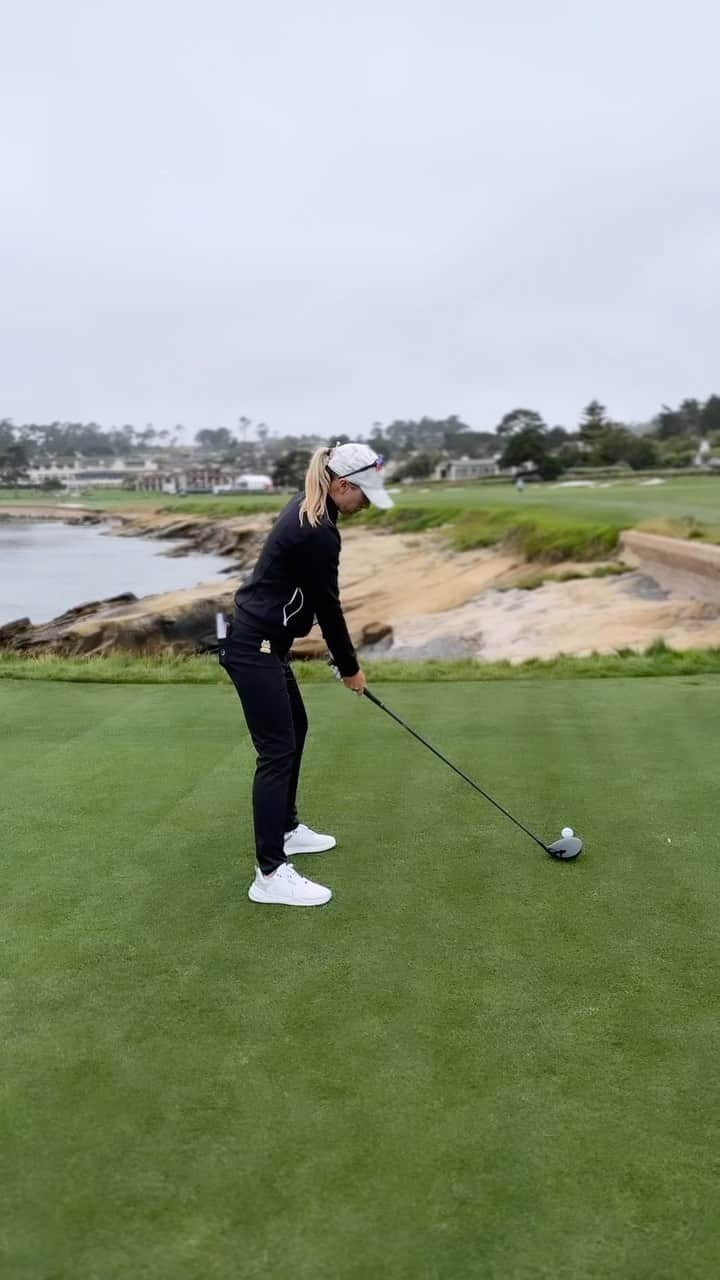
x=295 y=581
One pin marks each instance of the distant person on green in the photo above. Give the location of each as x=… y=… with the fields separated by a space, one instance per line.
x=295 y=582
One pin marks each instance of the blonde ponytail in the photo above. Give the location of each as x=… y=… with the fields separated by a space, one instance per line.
x=317 y=487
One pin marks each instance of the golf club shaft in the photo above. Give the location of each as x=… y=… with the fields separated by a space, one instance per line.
x=454 y=768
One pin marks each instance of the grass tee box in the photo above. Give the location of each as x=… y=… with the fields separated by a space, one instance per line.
x=475 y=1062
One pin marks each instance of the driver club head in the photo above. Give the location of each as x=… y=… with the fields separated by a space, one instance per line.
x=566 y=849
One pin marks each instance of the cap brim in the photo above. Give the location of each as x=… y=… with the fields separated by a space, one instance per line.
x=378 y=496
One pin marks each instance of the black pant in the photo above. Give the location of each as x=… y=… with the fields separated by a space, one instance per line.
x=276 y=718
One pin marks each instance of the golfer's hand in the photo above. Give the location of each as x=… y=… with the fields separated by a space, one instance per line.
x=356 y=682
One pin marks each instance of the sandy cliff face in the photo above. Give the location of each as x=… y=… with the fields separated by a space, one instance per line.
x=416 y=599
x=580 y=617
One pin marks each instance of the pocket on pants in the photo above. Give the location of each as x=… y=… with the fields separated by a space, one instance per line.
x=247 y=651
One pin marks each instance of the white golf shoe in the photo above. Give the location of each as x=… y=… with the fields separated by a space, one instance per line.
x=303 y=840
x=287 y=889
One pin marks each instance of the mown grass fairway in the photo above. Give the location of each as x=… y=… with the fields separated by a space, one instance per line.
x=473 y=1063
x=627 y=502
x=552 y=522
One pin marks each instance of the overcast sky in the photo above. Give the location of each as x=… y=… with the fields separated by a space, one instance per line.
x=322 y=215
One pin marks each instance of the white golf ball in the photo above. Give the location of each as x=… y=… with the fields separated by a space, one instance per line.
x=566 y=833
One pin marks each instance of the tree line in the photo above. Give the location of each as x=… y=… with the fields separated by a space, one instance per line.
x=415 y=446
x=523 y=438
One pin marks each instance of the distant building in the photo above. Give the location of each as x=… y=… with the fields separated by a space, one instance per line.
x=467 y=468
x=245 y=483
x=83 y=473
x=203 y=478
x=147 y=475
x=704 y=456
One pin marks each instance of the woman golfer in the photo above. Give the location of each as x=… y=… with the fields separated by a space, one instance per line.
x=295 y=581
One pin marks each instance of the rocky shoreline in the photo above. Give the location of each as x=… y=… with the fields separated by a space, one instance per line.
x=404 y=596
x=174 y=622
x=237 y=537
x=383 y=577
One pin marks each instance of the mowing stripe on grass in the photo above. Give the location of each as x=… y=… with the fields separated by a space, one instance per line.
x=473 y=1062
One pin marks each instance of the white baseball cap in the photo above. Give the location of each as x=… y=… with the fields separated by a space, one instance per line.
x=363 y=466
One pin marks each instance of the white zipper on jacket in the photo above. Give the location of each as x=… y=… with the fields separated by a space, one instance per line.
x=287 y=616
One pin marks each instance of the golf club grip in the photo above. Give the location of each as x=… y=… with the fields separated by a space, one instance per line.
x=454 y=767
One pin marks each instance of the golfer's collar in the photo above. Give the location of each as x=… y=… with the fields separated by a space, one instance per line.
x=331 y=510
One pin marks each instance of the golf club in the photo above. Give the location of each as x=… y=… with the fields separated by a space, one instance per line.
x=565 y=849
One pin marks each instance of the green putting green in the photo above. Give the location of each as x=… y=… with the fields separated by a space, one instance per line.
x=475 y=1062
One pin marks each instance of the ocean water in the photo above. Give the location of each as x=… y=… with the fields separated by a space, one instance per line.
x=47 y=567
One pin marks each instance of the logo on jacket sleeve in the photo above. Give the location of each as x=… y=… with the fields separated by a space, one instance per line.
x=265 y=646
